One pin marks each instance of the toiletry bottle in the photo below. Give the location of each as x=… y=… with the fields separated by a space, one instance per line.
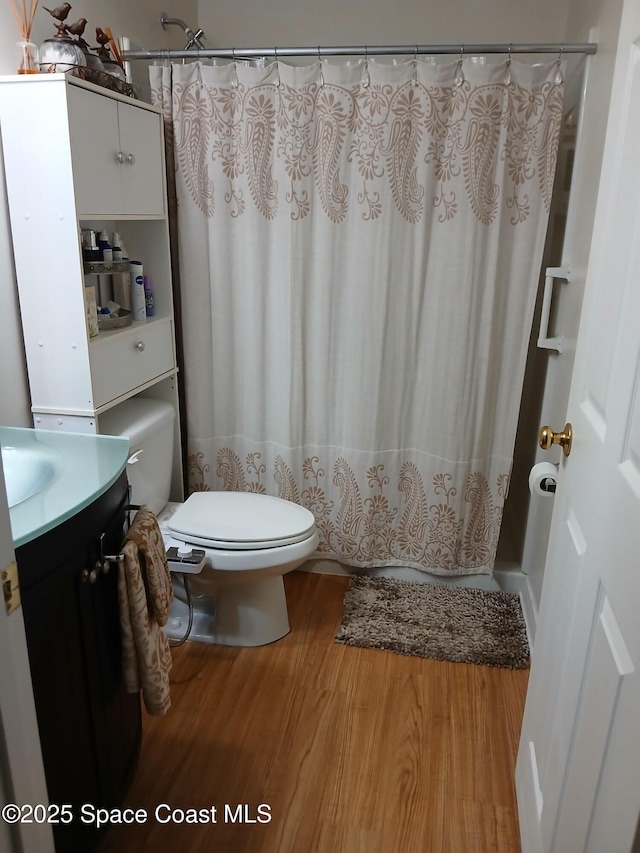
x=148 y=296
x=90 y=250
x=105 y=248
x=123 y=248
x=116 y=248
x=138 y=303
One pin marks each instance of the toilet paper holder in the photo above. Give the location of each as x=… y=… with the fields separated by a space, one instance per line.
x=549 y=485
x=543 y=478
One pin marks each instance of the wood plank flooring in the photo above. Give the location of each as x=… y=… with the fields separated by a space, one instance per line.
x=353 y=750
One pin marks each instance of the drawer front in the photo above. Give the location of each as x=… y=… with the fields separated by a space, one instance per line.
x=126 y=361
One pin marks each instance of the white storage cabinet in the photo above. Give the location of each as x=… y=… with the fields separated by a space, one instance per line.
x=78 y=156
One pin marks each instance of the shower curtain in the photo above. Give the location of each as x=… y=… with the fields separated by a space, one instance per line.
x=360 y=245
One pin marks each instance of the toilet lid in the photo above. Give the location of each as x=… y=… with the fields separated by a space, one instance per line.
x=240 y=520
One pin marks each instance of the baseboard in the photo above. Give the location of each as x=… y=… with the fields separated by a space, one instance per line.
x=506 y=576
x=325 y=567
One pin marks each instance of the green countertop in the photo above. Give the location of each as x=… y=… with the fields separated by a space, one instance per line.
x=50 y=476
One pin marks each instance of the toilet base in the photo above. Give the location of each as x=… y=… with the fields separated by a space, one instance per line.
x=242 y=614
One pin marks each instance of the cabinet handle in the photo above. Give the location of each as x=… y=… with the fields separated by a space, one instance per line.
x=120 y=157
x=131 y=159
x=91 y=576
x=140 y=346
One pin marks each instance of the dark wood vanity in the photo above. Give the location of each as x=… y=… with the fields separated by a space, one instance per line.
x=90 y=728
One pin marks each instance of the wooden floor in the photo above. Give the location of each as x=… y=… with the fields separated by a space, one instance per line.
x=353 y=750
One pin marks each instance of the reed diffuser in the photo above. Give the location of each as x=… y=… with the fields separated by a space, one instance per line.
x=27 y=51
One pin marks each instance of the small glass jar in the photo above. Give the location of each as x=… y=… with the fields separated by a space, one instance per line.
x=27 y=57
x=114 y=68
x=94 y=63
x=60 y=54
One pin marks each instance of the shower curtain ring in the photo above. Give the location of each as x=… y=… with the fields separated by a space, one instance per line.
x=458 y=79
x=235 y=82
x=415 y=65
x=367 y=78
x=277 y=83
x=321 y=72
x=507 y=77
x=559 y=78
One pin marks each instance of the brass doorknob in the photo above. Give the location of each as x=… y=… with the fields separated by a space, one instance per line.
x=547 y=438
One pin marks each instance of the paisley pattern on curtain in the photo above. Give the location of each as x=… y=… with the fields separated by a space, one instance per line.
x=367 y=529
x=359 y=256
x=386 y=132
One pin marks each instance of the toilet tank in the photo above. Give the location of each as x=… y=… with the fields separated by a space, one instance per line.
x=148 y=424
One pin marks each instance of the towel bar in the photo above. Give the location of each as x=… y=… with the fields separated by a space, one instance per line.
x=104 y=563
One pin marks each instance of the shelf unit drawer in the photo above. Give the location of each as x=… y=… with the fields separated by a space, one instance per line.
x=127 y=360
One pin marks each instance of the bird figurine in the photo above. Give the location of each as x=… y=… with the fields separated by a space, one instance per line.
x=103 y=45
x=101 y=37
x=60 y=12
x=78 y=28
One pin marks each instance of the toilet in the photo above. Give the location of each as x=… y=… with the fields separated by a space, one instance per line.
x=249 y=540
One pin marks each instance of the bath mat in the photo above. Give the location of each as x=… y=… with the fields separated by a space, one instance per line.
x=435 y=621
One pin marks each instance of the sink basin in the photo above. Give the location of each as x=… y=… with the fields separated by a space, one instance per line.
x=50 y=476
x=27 y=471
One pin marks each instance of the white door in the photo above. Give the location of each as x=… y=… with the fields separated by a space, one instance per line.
x=578 y=769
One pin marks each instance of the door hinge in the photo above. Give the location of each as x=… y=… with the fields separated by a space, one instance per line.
x=11 y=587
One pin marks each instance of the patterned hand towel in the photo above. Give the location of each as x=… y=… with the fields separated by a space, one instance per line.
x=145 y=595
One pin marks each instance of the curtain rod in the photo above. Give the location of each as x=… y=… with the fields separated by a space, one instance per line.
x=362 y=50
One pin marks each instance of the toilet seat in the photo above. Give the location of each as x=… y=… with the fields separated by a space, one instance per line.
x=239 y=521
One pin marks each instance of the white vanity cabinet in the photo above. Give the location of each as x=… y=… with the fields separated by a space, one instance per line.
x=77 y=157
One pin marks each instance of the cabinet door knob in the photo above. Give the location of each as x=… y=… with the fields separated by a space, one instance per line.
x=90 y=576
x=131 y=159
x=120 y=157
x=140 y=346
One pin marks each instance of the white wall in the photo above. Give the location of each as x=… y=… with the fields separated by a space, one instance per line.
x=141 y=22
x=280 y=23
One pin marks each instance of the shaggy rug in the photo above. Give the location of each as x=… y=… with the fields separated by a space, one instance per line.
x=435 y=621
